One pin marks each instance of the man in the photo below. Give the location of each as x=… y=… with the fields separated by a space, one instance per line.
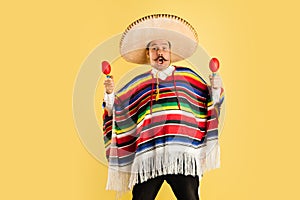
x=163 y=124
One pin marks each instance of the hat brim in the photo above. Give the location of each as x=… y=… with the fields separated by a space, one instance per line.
x=179 y=33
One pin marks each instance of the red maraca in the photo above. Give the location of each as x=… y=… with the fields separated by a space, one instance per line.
x=106 y=68
x=214 y=65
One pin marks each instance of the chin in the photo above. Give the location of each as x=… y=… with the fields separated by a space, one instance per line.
x=161 y=67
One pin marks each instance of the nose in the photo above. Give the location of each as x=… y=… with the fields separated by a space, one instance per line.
x=159 y=51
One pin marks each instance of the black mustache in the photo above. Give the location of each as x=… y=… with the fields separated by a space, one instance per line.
x=160 y=57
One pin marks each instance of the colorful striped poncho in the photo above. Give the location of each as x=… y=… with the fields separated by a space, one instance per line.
x=175 y=134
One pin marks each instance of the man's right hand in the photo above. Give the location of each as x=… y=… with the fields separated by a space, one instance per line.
x=109 y=85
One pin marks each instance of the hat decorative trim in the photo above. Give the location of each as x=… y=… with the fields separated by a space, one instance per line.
x=160 y=16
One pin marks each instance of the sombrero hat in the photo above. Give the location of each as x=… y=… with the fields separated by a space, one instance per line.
x=177 y=31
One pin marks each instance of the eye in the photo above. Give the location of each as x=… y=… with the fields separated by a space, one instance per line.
x=154 y=48
x=165 y=48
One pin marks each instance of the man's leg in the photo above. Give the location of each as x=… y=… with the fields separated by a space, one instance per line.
x=184 y=187
x=147 y=190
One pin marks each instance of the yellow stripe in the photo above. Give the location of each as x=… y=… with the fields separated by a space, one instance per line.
x=107 y=144
x=125 y=129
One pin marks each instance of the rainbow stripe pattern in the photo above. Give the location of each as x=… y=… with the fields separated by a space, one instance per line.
x=146 y=138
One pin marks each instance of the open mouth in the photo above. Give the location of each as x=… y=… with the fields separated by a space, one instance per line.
x=161 y=61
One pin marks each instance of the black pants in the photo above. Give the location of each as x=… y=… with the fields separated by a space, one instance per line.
x=184 y=187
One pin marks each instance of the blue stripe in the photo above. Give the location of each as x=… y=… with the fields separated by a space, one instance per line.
x=169 y=139
x=117 y=161
x=212 y=134
x=192 y=89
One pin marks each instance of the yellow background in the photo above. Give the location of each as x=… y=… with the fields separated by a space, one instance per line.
x=43 y=44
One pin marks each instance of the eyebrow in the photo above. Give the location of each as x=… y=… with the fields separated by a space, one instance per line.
x=161 y=44
x=148 y=45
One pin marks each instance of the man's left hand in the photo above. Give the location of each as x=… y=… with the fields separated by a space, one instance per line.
x=215 y=81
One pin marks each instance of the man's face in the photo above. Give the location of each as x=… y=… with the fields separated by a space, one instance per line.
x=159 y=54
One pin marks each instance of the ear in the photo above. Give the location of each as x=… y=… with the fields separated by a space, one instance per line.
x=147 y=53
